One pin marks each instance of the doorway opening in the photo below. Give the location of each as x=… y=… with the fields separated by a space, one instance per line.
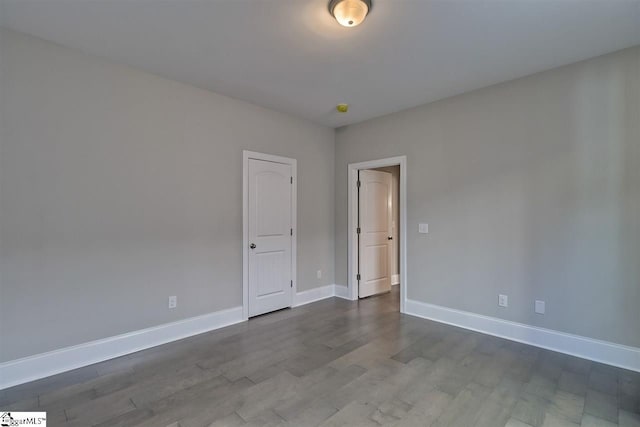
x=377 y=228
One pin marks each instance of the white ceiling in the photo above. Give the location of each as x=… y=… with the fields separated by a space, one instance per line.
x=291 y=55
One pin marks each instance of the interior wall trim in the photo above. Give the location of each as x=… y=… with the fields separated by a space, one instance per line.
x=312 y=295
x=610 y=353
x=31 y=368
x=43 y=365
x=342 y=292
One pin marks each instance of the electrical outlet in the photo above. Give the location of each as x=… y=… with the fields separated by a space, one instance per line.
x=173 y=301
x=540 y=307
x=503 y=300
x=319 y=274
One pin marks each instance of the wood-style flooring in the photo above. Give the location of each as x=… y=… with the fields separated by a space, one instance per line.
x=337 y=363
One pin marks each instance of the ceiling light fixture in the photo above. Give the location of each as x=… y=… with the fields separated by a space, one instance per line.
x=349 y=13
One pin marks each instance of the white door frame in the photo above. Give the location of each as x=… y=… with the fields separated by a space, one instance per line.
x=353 y=169
x=246 y=155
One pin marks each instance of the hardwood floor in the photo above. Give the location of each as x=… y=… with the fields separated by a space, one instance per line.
x=337 y=363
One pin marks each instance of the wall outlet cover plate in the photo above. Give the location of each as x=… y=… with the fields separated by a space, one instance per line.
x=503 y=300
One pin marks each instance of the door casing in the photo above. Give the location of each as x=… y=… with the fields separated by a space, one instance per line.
x=246 y=155
x=352 y=250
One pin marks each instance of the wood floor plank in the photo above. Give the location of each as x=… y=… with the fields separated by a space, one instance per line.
x=285 y=387
x=425 y=410
x=195 y=402
x=355 y=413
x=497 y=409
x=464 y=410
x=291 y=408
x=567 y=406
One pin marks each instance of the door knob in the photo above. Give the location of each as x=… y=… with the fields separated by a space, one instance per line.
x=390 y=238
x=252 y=246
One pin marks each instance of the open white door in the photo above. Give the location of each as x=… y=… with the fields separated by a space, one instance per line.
x=269 y=236
x=375 y=217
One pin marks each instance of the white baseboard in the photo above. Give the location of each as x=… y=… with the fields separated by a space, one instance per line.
x=31 y=368
x=312 y=295
x=342 y=292
x=42 y=365
x=395 y=279
x=317 y=294
x=588 y=348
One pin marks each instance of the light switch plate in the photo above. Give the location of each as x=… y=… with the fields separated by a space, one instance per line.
x=423 y=228
x=540 y=307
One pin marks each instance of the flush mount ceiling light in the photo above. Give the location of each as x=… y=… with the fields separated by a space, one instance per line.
x=349 y=13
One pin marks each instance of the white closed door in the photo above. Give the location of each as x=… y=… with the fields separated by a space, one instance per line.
x=375 y=223
x=270 y=236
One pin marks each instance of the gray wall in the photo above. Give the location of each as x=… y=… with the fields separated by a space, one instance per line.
x=119 y=188
x=530 y=188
